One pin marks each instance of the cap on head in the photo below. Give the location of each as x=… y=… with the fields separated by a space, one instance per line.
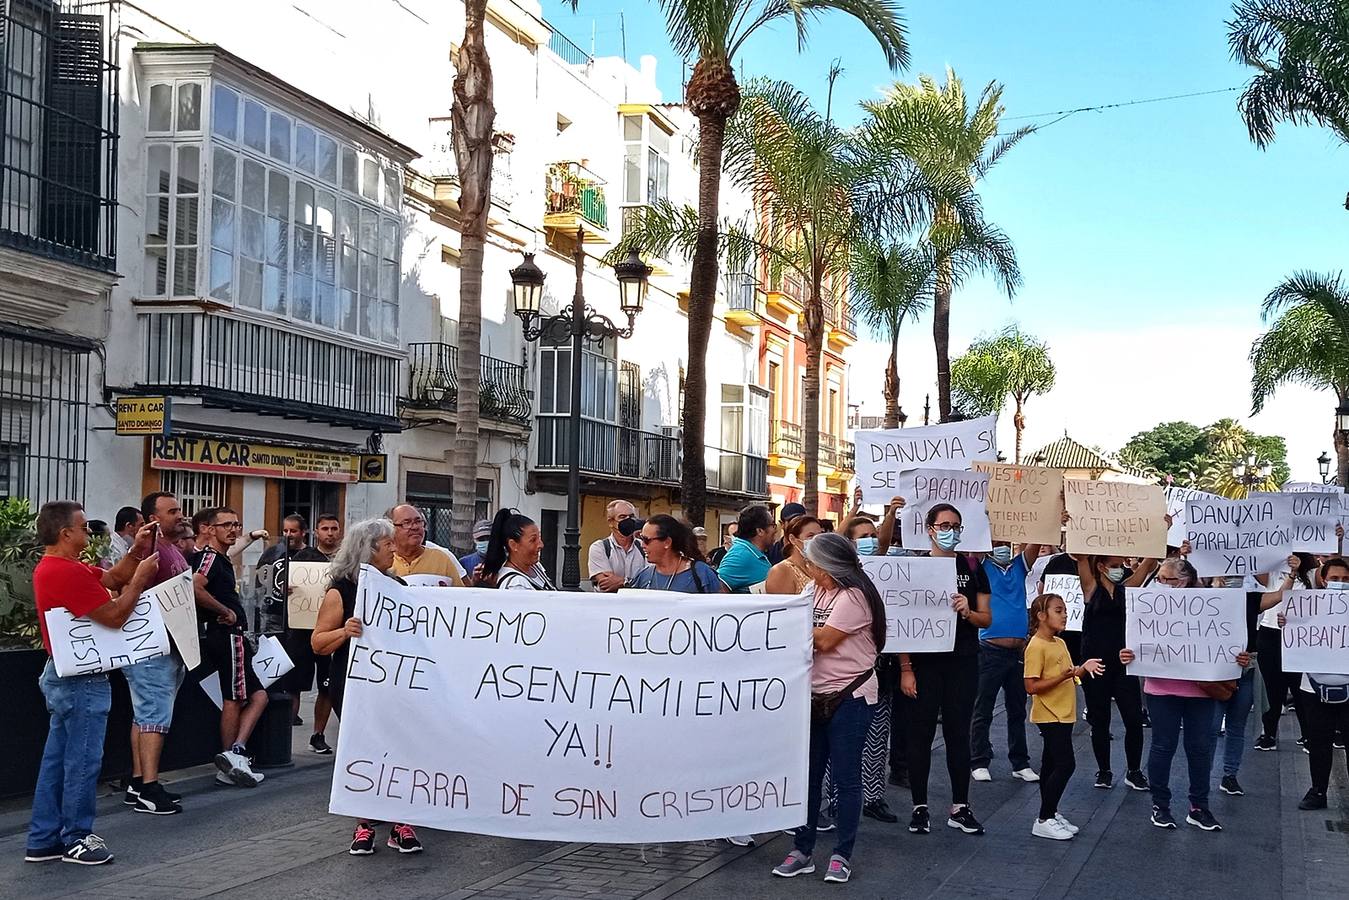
x=700 y=532
x=792 y=510
x=482 y=529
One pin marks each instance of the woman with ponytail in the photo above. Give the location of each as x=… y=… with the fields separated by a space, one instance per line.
x=512 y=558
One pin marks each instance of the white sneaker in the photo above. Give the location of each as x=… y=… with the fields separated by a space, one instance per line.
x=236 y=768
x=1026 y=774
x=741 y=840
x=1051 y=829
x=1069 y=826
x=981 y=775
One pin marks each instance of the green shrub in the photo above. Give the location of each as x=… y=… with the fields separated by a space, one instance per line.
x=19 y=553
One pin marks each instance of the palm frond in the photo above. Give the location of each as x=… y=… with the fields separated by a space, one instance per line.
x=1304 y=345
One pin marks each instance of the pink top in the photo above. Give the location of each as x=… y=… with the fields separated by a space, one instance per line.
x=833 y=670
x=1172 y=687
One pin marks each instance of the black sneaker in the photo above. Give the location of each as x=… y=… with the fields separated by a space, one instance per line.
x=133 y=790
x=1203 y=820
x=43 y=854
x=921 y=823
x=1230 y=785
x=1338 y=743
x=297 y=721
x=318 y=745
x=153 y=801
x=1313 y=799
x=1137 y=780
x=1162 y=818
x=362 y=841
x=1302 y=742
x=88 y=851
x=878 y=810
x=1266 y=743
x=1105 y=780
x=403 y=839
x=964 y=819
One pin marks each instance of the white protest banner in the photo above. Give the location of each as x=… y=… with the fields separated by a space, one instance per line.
x=923 y=489
x=917 y=591
x=1175 y=508
x=1115 y=518
x=81 y=646
x=1069 y=587
x=270 y=662
x=307 y=582
x=178 y=608
x=435 y=581
x=1306 y=487
x=1253 y=536
x=564 y=716
x=1316 y=632
x=883 y=454
x=1193 y=634
x=1311 y=517
x=1025 y=503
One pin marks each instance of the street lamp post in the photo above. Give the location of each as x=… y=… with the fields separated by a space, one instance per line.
x=580 y=323
x=1323 y=464
x=1250 y=472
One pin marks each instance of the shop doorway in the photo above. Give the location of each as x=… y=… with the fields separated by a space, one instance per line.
x=308 y=499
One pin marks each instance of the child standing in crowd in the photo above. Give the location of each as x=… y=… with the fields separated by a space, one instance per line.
x=1050 y=680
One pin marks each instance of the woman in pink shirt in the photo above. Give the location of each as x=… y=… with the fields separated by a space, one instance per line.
x=849 y=633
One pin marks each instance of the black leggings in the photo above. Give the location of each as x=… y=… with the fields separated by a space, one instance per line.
x=1324 y=721
x=947 y=685
x=1278 y=683
x=1117 y=685
x=1056 y=765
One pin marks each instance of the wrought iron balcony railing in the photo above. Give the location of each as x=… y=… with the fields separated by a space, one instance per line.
x=785 y=439
x=433 y=383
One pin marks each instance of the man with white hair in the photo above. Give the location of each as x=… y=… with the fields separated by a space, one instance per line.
x=615 y=560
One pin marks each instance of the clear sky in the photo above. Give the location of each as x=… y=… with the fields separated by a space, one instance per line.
x=1147 y=235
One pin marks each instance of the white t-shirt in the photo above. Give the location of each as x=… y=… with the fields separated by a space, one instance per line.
x=1270 y=617
x=608 y=555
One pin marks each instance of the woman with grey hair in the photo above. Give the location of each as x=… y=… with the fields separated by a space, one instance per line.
x=849 y=633
x=368 y=542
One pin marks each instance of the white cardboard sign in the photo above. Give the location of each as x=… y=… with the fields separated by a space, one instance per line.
x=885 y=453
x=1191 y=634
x=564 y=716
x=917 y=592
x=1248 y=537
x=1176 y=498
x=270 y=662
x=1069 y=587
x=923 y=489
x=178 y=607
x=1316 y=635
x=81 y=646
x=307 y=582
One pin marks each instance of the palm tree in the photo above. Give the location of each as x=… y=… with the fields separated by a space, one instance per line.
x=1306 y=344
x=1229 y=443
x=712 y=32
x=890 y=284
x=932 y=127
x=1013 y=364
x=1299 y=49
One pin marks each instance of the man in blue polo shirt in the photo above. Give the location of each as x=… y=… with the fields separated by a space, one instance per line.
x=746 y=563
x=1001 y=670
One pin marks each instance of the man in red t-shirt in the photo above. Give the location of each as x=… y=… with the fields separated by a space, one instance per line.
x=63 y=803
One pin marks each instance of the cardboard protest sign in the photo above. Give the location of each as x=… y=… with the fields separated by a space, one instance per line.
x=1175 y=508
x=923 y=489
x=1311 y=517
x=1069 y=587
x=178 y=608
x=1193 y=634
x=917 y=591
x=1316 y=632
x=1115 y=518
x=1256 y=535
x=81 y=646
x=564 y=716
x=270 y=662
x=307 y=583
x=1025 y=503
x=883 y=454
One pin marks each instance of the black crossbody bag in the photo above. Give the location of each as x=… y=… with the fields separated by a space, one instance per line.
x=823 y=706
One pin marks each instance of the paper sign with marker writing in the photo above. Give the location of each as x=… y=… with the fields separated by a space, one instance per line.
x=923 y=489
x=435 y=581
x=564 y=716
x=270 y=662
x=1025 y=503
x=1316 y=632
x=1253 y=536
x=884 y=454
x=1069 y=587
x=1191 y=634
x=81 y=646
x=178 y=608
x=917 y=592
x=1175 y=508
x=1311 y=517
x=307 y=582
x=1115 y=518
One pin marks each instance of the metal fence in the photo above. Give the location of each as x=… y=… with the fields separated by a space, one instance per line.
x=433 y=382
x=785 y=439
x=570 y=54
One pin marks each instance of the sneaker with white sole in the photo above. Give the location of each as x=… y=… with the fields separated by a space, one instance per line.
x=741 y=840
x=1162 y=818
x=1203 y=820
x=88 y=851
x=963 y=819
x=44 y=854
x=1027 y=774
x=839 y=871
x=362 y=840
x=236 y=767
x=403 y=839
x=318 y=744
x=796 y=863
x=1137 y=781
x=1050 y=829
x=1072 y=829
x=981 y=774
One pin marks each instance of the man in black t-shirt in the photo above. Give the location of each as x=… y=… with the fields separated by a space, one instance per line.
x=225 y=648
x=311 y=670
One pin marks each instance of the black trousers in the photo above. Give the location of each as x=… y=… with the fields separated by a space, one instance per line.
x=1278 y=683
x=1056 y=765
x=1114 y=684
x=1324 y=721
x=947 y=685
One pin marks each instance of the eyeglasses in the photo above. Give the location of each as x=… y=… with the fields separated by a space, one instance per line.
x=410 y=523
x=228 y=525
x=947 y=526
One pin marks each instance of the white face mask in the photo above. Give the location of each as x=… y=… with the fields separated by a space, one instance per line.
x=1002 y=555
x=1115 y=575
x=1337 y=585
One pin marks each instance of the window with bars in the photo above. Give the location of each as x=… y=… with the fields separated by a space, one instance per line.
x=195 y=490
x=44 y=385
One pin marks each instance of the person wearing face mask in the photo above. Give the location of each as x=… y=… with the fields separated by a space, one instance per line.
x=942 y=686
x=790 y=575
x=1001 y=669
x=1230 y=722
x=482 y=534
x=861 y=530
x=1301 y=574
x=1104 y=579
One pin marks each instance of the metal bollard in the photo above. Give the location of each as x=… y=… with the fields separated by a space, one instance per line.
x=270 y=743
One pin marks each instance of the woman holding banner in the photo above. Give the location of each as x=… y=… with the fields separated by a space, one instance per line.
x=512 y=558
x=849 y=633
x=1269 y=654
x=367 y=543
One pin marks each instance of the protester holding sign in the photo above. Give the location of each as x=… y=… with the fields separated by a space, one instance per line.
x=1301 y=573
x=849 y=633
x=311 y=670
x=675 y=562
x=943 y=685
x=513 y=551
x=790 y=575
x=63 y=801
x=371 y=543
x=1325 y=698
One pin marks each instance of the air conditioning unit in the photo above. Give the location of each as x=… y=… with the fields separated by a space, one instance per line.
x=668 y=463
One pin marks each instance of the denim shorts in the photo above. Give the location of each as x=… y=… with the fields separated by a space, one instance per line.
x=154 y=685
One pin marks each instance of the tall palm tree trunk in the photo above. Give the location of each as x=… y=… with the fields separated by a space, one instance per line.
x=1341 y=440
x=472 y=117
x=702 y=299
x=891 y=388
x=810 y=403
x=941 y=332
x=1019 y=423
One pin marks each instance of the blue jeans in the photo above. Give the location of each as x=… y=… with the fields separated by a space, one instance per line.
x=1001 y=671
x=154 y=685
x=1168 y=715
x=1238 y=710
x=63 y=803
x=837 y=744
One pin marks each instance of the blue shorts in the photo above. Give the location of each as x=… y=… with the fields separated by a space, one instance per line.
x=154 y=685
